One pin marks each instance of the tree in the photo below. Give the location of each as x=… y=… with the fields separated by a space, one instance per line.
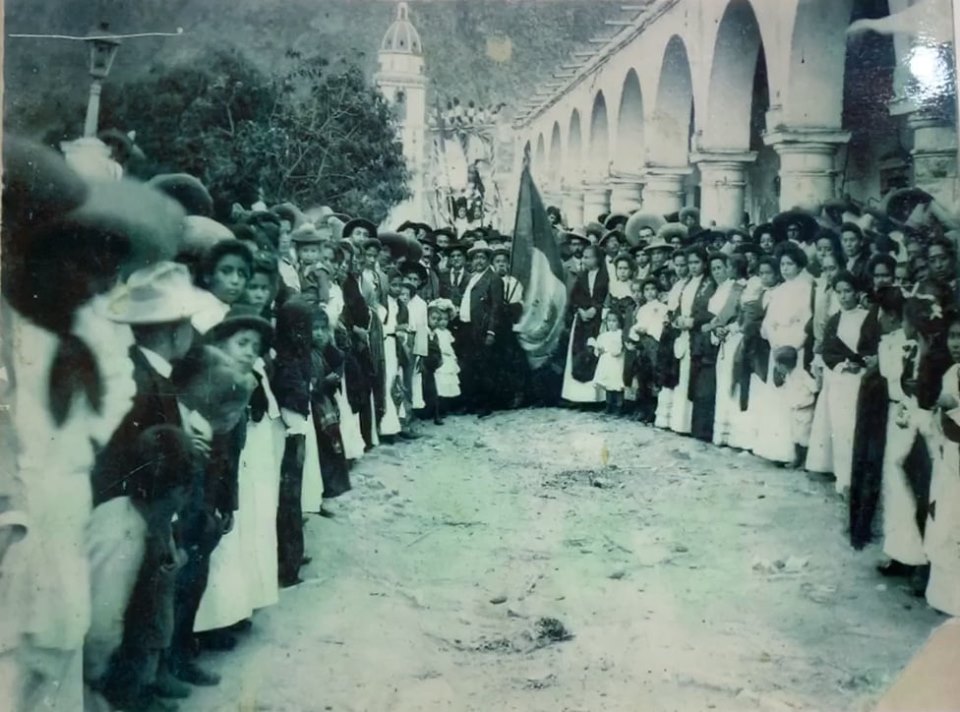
x=311 y=136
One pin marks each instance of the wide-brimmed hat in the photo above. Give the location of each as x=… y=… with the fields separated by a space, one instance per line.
x=480 y=246
x=801 y=218
x=241 y=317
x=901 y=204
x=689 y=211
x=762 y=229
x=212 y=382
x=638 y=221
x=576 y=237
x=448 y=231
x=616 y=221
x=201 y=233
x=414 y=250
x=350 y=225
x=456 y=246
x=395 y=242
x=371 y=243
x=186 y=190
x=670 y=231
x=407 y=225
x=595 y=229
x=611 y=233
x=306 y=234
x=159 y=294
x=289 y=212
x=657 y=243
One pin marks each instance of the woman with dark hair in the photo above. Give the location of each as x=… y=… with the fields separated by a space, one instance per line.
x=689 y=346
x=586 y=304
x=784 y=324
x=224 y=271
x=846 y=346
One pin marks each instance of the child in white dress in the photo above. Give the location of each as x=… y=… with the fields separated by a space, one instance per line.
x=448 y=375
x=799 y=388
x=608 y=346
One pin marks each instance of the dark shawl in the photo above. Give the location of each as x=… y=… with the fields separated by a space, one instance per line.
x=584 y=362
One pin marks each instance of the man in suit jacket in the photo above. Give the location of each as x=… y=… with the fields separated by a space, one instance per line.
x=454 y=281
x=481 y=310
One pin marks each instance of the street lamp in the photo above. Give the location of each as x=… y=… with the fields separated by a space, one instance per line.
x=103 y=50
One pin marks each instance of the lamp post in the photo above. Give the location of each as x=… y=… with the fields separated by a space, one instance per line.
x=103 y=50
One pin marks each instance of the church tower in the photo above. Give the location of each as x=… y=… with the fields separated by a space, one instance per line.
x=401 y=79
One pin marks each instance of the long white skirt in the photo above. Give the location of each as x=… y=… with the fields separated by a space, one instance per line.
x=353 y=445
x=842 y=404
x=774 y=422
x=727 y=408
x=902 y=540
x=942 y=533
x=576 y=391
x=390 y=423
x=259 y=494
x=664 y=406
x=226 y=599
x=311 y=488
x=681 y=411
x=743 y=423
x=820 y=450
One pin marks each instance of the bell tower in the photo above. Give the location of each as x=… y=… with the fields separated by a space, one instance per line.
x=400 y=77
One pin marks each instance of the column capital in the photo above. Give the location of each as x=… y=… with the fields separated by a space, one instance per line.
x=595 y=186
x=732 y=158
x=656 y=171
x=787 y=139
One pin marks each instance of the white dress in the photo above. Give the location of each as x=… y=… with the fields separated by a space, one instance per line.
x=836 y=412
x=448 y=375
x=681 y=410
x=942 y=533
x=727 y=402
x=259 y=491
x=417 y=323
x=902 y=540
x=665 y=397
x=390 y=423
x=609 y=373
x=783 y=325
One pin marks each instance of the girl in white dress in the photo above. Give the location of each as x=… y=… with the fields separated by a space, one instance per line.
x=608 y=346
x=448 y=375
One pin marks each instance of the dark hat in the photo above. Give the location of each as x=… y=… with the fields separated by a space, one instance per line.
x=417 y=269
x=900 y=204
x=186 y=190
x=289 y=212
x=351 y=225
x=611 y=233
x=371 y=243
x=210 y=382
x=422 y=227
x=117 y=139
x=672 y=217
x=448 y=231
x=689 y=212
x=414 y=250
x=602 y=217
x=407 y=225
x=805 y=221
x=395 y=242
x=670 y=231
x=239 y=318
x=615 y=221
x=762 y=229
x=747 y=247
x=456 y=246
x=38 y=185
x=738 y=231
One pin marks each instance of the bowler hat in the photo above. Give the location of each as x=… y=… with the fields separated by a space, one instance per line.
x=351 y=225
x=186 y=190
x=239 y=318
x=159 y=294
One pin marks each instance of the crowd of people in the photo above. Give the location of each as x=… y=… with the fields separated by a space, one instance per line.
x=825 y=341
x=182 y=391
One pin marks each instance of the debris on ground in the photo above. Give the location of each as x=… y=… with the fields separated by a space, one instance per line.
x=497 y=600
x=551 y=630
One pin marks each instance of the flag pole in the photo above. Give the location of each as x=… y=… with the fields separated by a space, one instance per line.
x=525 y=167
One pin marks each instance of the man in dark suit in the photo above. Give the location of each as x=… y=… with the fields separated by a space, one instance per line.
x=481 y=310
x=454 y=281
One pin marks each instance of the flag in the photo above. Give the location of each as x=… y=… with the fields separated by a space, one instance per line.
x=535 y=262
x=929 y=20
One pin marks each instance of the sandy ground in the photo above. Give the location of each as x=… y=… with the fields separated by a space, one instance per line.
x=655 y=552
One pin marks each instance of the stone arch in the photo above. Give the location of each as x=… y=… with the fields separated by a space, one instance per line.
x=573 y=165
x=668 y=134
x=630 y=134
x=555 y=157
x=540 y=158
x=598 y=154
x=734 y=66
x=813 y=91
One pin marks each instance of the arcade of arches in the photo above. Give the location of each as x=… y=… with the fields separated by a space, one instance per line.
x=741 y=106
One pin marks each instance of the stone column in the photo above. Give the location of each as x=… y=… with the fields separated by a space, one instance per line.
x=934 y=155
x=626 y=193
x=663 y=189
x=723 y=185
x=572 y=206
x=596 y=201
x=807 y=170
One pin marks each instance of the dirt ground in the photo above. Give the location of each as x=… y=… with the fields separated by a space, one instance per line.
x=680 y=577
